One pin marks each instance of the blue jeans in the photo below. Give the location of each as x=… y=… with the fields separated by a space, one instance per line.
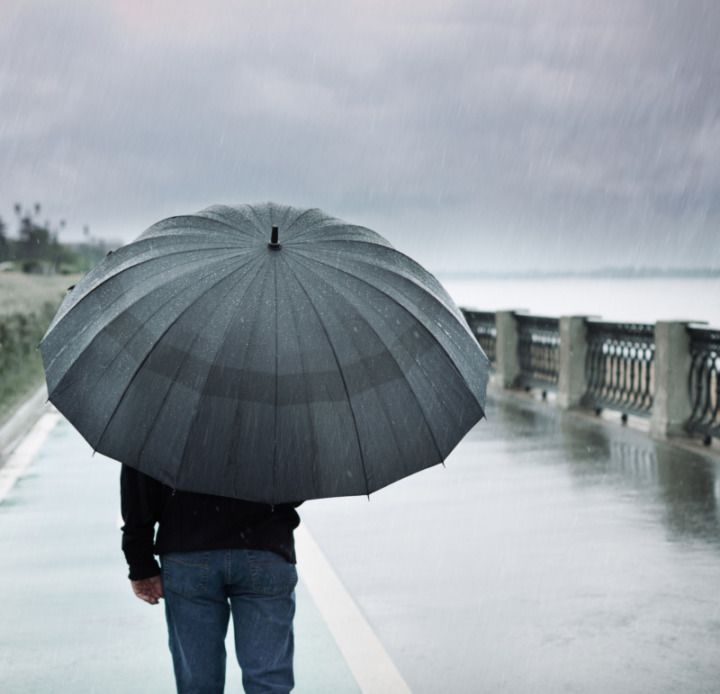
x=201 y=589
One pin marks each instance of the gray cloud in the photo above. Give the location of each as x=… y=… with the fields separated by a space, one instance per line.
x=489 y=134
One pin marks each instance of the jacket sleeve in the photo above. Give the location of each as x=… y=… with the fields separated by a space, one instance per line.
x=140 y=498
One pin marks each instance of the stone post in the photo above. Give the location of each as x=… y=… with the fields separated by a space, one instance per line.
x=507 y=365
x=671 y=404
x=573 y=350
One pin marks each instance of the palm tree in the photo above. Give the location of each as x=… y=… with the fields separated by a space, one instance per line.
x=4 y=246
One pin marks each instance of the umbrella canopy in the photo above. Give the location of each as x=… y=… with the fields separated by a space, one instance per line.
x=265 y=352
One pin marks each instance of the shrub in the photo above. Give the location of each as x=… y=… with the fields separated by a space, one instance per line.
x=21 y=366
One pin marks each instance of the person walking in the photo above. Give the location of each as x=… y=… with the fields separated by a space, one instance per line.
x=218 y=557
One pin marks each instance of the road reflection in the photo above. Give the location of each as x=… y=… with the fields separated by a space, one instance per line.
x=555 y=553
x=683 y=485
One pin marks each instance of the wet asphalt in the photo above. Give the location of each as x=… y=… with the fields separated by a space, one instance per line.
x=553 y=553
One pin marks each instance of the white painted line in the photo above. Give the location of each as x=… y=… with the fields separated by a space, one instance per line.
x=368 y=661
x=26 y=451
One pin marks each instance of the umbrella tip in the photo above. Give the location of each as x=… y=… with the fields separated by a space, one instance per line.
x=274 y=240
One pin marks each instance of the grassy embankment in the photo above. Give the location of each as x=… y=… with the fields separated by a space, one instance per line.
x=27 y=306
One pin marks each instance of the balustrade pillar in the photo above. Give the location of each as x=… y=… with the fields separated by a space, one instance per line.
x=573 y=351
x=507 y=363
x=671 y=404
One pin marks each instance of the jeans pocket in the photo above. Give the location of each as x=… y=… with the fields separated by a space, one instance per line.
x=271 y=574
x=186 y=573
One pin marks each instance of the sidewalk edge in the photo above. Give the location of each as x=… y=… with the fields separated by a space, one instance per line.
x=13 y=431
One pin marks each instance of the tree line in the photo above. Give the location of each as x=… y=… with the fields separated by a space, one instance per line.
x=36 y=247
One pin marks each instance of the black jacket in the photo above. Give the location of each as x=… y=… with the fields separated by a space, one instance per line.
x=189 y=522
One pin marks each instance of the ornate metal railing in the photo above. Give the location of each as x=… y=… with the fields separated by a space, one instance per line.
x=704 y=383
x=538 y=351
x=619 y=368
x=482 y=325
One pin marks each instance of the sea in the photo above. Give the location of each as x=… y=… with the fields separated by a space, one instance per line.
x=633 y=300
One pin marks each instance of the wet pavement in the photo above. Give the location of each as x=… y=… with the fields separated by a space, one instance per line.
x=553 y=553
x=69 y=623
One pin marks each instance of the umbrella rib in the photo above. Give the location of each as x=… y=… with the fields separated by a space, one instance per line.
x=437 y=299
x=376 y=239
x=257 y=221
x=392 y=356
x=417 y=361
x=253 y=326
x=191 y=217
x=117 y=298
x=151 y=428
x=317 y=258
x=146 y=357
x=149 y=260
x=315 y=475
x=342 y=376
x=302 y=236
x=275 y=409
x=297 y=219
x=196 y=408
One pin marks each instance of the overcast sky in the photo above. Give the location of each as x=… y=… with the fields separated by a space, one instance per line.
x=483 y=134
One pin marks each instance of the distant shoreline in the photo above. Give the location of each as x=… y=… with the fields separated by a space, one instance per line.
x=603 y=273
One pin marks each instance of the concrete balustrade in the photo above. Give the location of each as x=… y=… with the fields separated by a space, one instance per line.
x=671 y=406
x=670 y=366
x=508 y=364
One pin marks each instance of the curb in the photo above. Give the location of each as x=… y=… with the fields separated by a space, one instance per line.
x=12 y=432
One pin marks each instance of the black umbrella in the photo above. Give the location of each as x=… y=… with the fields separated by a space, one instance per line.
x=218 y=358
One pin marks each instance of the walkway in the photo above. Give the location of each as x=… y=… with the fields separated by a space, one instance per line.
x=553 y=553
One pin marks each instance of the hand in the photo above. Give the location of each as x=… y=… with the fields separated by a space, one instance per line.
x=148 y=589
